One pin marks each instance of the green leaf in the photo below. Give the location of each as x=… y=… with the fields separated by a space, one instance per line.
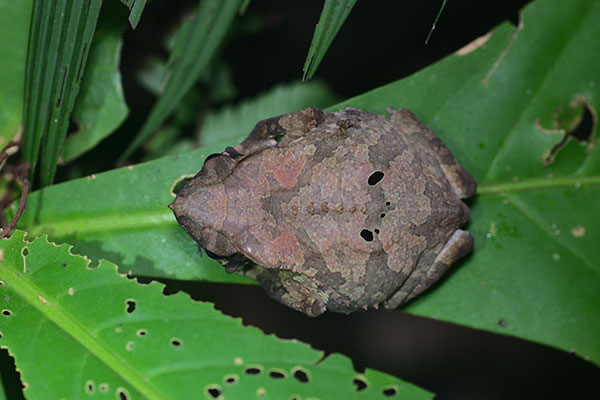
x=331 y=20
x=100 y=106
x=61 y=33
x=535 y=268
x=122 y=215
x=14 y=24
x=77 y=329
x=195 y=47
x=136 y=7
x=231 y=122
x=534 y=272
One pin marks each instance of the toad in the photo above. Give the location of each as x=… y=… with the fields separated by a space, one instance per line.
x=339 y=211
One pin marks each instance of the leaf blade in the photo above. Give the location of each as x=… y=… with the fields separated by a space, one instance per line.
x=100 y=107
x=332 y=18
x=195 y=47
x=116 y=335
x=57 y=53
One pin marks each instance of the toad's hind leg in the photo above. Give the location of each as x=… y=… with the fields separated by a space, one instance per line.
x=459 y=244
x=285 y=127
x=461 y=181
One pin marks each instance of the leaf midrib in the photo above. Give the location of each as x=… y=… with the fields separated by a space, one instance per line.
x=68 y=324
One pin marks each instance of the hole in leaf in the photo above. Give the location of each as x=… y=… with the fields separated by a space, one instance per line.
x=1 y=283
x=277 y=374
x=295 y=397
x=586 y=127
x=376 y=231
x=382 y=215
x=130 y=306
x=214 y=392
x=389 y=392
x=578 y=121
x=231 y=379
x=301 y=375
x=63 y=265
x=278 y=138
x=122 y=394
x=175 y=342
x=360 y=384
x=142 y=332
x=25 y=252
x=375 y=177
x=89 y=387
x=387 y=203
x=6 y=313
x=367 y=235
x=253 y=370
x=0 y=335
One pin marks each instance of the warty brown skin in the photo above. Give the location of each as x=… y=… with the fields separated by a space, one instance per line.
x=346 y=211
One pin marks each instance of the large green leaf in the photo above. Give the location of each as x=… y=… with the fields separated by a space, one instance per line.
x=231 y=122
x=78 y=329
x=534 y=272
x=100 y=106
x=59 y=43
x=14 y=24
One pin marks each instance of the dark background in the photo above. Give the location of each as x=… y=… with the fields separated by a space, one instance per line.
x=381 y=41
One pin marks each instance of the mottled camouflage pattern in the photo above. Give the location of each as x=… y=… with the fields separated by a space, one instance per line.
x=347 y=210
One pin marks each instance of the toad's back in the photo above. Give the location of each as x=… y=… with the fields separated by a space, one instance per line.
x=353 y=201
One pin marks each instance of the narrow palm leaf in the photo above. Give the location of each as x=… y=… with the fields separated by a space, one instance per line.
x=195 y=47
x=136 y=7
x=332 y=18
x=59 y=42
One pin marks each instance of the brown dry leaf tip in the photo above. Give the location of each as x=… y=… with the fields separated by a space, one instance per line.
x=20 y=175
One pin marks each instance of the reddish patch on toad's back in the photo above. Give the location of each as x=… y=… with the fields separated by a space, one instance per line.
x=285 y=168
x=283 y=251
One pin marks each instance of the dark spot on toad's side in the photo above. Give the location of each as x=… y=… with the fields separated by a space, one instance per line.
x=367 y=235
x=375 y=177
